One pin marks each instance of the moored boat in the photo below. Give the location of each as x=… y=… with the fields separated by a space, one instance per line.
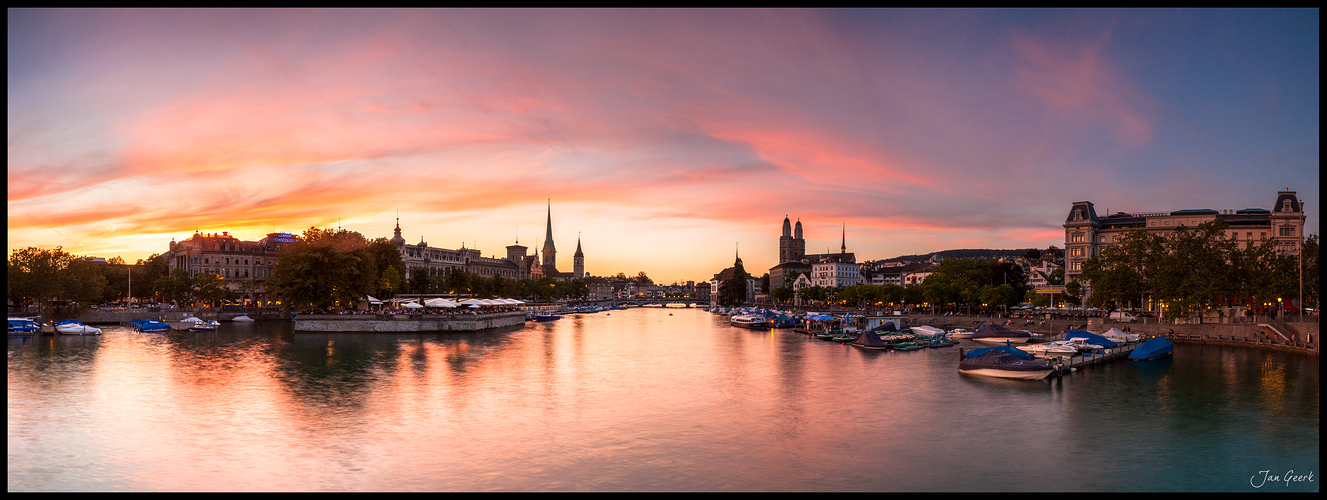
x=152 y=326
x=870 y=341
x=547 y=317
x=1004 y=362
x=75 y=327
x=23 y=327
x=209 y=326
x=960 y=333
x=749 y=321
x=1153 y=348
x=995 y=334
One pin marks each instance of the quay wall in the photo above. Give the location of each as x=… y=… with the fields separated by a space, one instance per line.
x=121 y=316
x=406 y=323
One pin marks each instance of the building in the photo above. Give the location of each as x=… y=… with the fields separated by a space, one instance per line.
x=831 y=273
x=752 y=283
x=224 y=255
x=793 y=259
x=548 y=266
x=1086 y=233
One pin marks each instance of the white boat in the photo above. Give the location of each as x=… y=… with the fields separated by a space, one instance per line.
x=209 y=326
x=927 y=330
x=749 y=321
x=1004 y=362
x=75 y=327
x=1049 y=349
x=960 y=333
x=242 y=319
x=24 y=326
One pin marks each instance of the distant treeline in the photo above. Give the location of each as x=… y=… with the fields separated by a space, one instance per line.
x=963 y=254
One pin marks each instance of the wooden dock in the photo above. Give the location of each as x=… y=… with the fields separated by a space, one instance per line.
x=1068 y=364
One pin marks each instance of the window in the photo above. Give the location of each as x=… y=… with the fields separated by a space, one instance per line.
x=1264 y=235
x=1249 y=235
x=1103 y=239
x=1167 y=223
x=1288 y=231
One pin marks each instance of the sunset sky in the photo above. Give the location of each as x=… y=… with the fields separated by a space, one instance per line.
x=666 y=139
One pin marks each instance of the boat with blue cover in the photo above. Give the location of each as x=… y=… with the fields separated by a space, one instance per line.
x=1004 y=362
x=151 y=326
x=1153 y=348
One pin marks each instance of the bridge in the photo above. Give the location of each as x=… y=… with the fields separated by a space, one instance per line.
x=647 y=301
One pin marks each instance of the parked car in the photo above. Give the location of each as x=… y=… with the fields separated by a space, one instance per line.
x=1123 y=317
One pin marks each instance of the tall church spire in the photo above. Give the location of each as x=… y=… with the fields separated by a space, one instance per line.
x=844 y=248
x=550 y=252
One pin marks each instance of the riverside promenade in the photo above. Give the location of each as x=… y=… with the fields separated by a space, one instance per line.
x=407 y=323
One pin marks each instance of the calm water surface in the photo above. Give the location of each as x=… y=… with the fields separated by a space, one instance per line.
x=636 y=400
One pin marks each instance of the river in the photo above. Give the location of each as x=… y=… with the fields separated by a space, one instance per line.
x=645 y=399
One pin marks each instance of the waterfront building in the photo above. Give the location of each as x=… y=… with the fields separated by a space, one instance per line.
x=1086 y=233
x=224 y=255
x=441 y=261
x=836 y=274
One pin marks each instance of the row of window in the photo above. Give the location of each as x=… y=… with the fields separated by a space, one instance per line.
x=208 y=260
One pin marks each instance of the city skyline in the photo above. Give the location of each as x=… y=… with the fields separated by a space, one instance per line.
x=664 y=138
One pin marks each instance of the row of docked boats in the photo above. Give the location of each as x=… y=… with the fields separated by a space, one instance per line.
x=1021 y=362
x=30 y=326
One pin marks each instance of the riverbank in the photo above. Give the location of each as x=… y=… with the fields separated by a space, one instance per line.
x=407 y=323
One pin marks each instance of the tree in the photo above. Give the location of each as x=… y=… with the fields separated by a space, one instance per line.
x=325 y=268
x=34 y=274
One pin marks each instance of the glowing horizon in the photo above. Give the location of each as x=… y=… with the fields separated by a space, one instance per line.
x=664 y=138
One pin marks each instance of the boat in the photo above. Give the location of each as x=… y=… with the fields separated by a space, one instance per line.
x=210 y=326
x=23 y=327
x=152 y=326
x=1004 y=362
x=547 y=317
x=1049 y=349
x=1119 y=336
x=1090 y=338
x=749 y=321
x=75 y=327
x=960 y=333
x=1153 y=348
x=870 y=341
x=927 y=330
x=995 y=334
x=242 y=319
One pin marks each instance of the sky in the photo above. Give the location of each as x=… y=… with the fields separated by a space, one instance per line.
x=664 y=141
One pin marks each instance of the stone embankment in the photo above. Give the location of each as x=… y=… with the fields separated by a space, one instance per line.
x=407 y=323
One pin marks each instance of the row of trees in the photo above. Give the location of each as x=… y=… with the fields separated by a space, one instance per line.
x=43 y=276
x=461 y=282
x=1198 y=269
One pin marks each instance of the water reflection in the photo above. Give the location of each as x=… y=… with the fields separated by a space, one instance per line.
x=639 y=400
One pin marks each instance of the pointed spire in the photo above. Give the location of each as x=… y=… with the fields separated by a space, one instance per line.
x=844 y=248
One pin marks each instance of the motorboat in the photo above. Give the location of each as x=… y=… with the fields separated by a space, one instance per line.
x=1049 y=349
x=75 y=327
x=242 y=319
x=960 y=333
x=152 y=326
x=1004 y=362
x=209 y=326
x=1153 y=348
x=927 y=330
x=749 y=321
x=991 y=333
x=547 y=317
x=24 y=327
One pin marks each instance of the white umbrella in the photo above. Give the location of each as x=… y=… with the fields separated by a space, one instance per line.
x=440 y=303
x=471 y=302
x=412 y=305
x=373 y=300
x=474 y=306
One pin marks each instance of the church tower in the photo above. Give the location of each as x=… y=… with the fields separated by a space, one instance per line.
x=578 y=261
x=799 y=243
x=786 y=242
x=550 y=252
x=397 y=239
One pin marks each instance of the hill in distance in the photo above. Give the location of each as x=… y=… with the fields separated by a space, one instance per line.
x=964 y=254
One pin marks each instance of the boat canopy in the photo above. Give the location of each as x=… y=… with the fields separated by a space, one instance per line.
x=927 y=330
x=994 y=330
x=1092 y=338
x=999 y=348
x=1118 y=335
x=1152 y=348
x=870 y=339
